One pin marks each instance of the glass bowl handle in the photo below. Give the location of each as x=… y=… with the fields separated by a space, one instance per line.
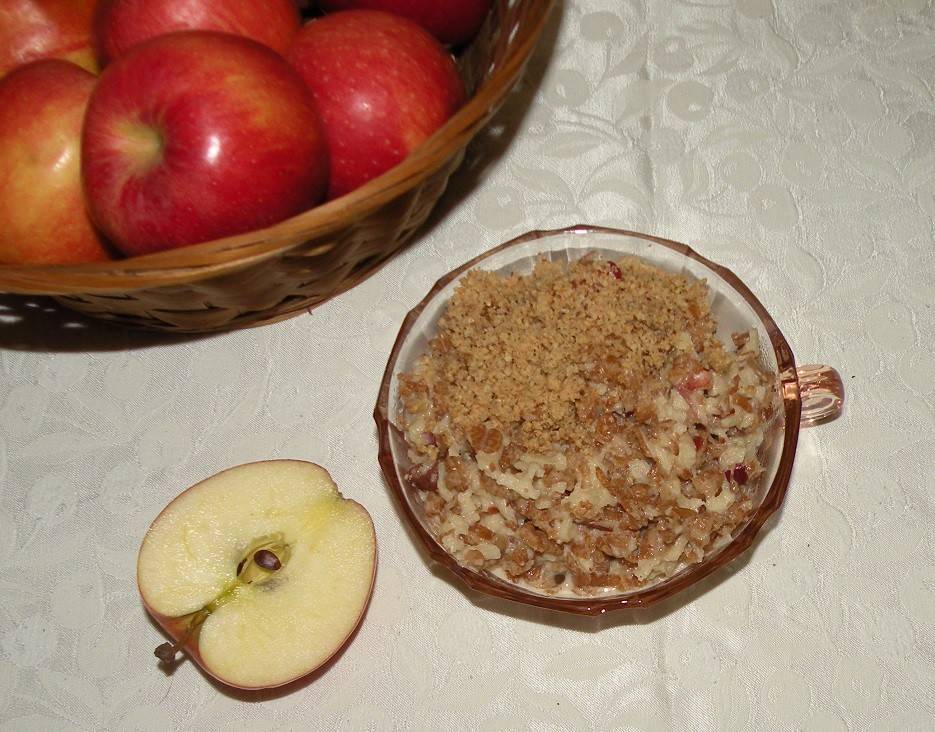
x=821 y=392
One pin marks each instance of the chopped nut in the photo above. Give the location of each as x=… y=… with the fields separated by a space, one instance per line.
x=581 y=428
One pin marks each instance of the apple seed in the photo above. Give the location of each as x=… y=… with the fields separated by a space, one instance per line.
x=267 y=560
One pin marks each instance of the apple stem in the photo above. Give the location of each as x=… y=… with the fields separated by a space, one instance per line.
x=166 y=652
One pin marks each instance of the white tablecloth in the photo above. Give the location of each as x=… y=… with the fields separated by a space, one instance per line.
x=792 y=141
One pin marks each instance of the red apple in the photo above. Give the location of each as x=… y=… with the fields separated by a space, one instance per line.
x=197 y=135
x=121 y=24
x=35 y=29
x=382 y=85
x=42 y=214
x=453 y=22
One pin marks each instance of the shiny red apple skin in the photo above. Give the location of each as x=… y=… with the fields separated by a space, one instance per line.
x=382 y=85
x=197 y=135
x=43 y=219
x=35 y=29
x=121 y=24
x=453 y=22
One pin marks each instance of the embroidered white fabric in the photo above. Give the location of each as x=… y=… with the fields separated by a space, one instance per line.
x=793 y=142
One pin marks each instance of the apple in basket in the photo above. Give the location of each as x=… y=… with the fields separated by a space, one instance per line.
x=382 y=85
x=453 y=22
x=42 y=213
x=260 y=573
x=121 y=24
x=197 y=135
x=35 y=29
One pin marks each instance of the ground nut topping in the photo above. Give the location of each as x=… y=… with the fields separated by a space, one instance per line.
x=581 y=429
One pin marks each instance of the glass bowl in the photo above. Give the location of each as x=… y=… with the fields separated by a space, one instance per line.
x=810 y=395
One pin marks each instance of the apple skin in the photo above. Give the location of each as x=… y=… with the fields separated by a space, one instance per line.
x=452 y=22
x=121 y=24
x=34 y=29
x=43 y=219
x=382 y=85
x=177 y=627
x=197 y=135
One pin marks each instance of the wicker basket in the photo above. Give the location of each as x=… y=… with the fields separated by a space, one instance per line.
x=273 y=273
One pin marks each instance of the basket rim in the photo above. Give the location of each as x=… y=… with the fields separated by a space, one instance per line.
x=222 y=256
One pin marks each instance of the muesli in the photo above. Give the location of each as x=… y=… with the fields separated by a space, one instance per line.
x=581 y=430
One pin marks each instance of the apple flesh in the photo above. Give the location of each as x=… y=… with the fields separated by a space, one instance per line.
x=43 y=219
x=198 y=135
x=453 y=22
x=35 y=29
x=382 y=85
x=121 y=24
x=260 y=573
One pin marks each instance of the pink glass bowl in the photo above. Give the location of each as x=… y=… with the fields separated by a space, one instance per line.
x=811 y=395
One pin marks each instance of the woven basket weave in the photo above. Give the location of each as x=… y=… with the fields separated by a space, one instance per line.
x=273 y=273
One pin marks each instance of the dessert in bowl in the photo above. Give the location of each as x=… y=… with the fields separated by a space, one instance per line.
x=589 y=419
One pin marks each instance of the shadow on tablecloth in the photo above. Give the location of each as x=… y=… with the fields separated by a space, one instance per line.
x=39 y=324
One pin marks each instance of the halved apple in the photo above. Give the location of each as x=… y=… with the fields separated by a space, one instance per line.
x=260 y=573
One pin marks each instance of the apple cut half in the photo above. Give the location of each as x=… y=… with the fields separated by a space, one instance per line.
x=260 y=573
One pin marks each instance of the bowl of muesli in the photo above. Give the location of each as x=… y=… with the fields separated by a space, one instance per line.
x=590 y=419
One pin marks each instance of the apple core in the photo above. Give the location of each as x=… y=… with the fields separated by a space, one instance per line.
x=263 y=559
